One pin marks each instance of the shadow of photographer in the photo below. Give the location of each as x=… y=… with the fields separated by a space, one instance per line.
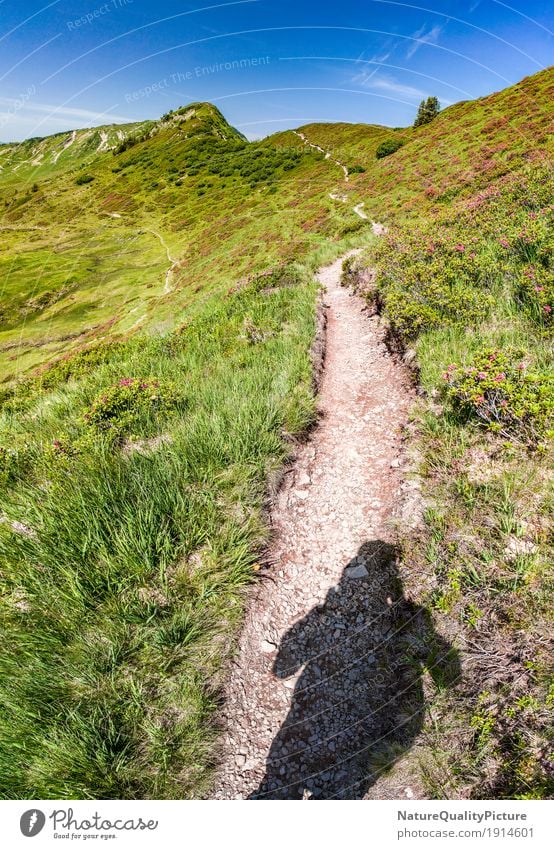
x=358 y=700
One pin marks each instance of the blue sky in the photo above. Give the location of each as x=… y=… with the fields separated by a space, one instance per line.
x=267 y=64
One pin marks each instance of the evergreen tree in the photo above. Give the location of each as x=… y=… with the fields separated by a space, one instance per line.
x=427 y=110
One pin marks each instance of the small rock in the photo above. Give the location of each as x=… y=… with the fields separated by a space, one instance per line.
x=20 y=528
x=240 y=760
x=519 y=548
x=356 y=572
x=267 y=647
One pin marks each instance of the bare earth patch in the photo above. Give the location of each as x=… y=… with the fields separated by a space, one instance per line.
x=326 y=695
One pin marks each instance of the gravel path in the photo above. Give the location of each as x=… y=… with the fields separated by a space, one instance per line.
x=378 y=229
x=323 y=695
x=327 y=154
x=173 y=262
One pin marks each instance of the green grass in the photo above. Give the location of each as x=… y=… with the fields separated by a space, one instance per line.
x=124 y=589
x=471 y=291
x=83 y=260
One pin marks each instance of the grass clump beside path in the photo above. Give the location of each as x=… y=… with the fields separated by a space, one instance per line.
x=123 y=561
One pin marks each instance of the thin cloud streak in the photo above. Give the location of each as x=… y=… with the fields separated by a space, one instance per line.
x=421 y=37
x=387 y=84
x=61 y=113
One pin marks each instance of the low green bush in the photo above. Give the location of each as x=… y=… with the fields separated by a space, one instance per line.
x=131 y=402
x=387 y=147
x=82 y=179
x=424 y=290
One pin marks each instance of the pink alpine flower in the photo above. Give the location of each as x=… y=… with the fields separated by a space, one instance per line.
x=547 y=308
x=482 y=375
x=460 y=248
x=500 y=377
x=504 y=242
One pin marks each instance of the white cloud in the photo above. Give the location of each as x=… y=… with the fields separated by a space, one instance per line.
x=387 y=84
x=422 y=37
x=27 y=108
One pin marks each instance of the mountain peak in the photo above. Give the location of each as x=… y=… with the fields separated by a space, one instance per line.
x=200 y=117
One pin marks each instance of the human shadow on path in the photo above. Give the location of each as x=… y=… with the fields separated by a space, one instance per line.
x=358 y=703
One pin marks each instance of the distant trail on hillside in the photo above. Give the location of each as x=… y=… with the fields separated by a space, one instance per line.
x=326 y=153
x=317 y=683
x=173 y=262
x=67 y=143
x=378 y=229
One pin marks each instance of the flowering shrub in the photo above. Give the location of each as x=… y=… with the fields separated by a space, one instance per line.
x=130 y=402
x=76 y=364
x=535 y=287
x=505 y=394
x=430 y=282
x=445 y=269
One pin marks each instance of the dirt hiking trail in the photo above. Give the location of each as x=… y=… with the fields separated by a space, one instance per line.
x=325 y=690
x=378 y=229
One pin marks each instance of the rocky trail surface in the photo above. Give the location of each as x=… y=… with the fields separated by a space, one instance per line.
x=321 y=700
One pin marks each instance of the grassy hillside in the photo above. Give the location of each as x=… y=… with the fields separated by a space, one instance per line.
x=468 y=146
x=157 y=313
x=124 y=239
x=465 y=281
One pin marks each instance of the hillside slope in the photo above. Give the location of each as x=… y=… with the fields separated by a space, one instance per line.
x=110 y=241
x=465 y=284
x=468 y=146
